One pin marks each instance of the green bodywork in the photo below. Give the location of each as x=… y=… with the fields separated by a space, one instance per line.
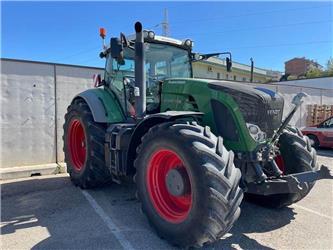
x=167 y=61
x=186 y=94
x=195 y=95
x=113 y=111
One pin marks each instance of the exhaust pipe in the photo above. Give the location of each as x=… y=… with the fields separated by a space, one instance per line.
x=140 y=76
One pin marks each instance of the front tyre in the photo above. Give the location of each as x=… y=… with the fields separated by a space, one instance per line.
x=84 y=146
x=187 y=183
x=297 y=156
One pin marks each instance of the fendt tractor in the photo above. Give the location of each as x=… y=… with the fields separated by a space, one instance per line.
x=192 y=146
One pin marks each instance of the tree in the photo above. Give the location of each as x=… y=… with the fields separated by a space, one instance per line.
x=329 y=67
x=314 y=72
x=291 y=77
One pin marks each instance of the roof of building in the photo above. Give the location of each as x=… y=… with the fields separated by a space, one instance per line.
x=218 y=61
x=303 y=59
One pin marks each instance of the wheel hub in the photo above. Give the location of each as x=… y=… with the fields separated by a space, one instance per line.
x=169 y=185
x=177 y=182
x=76 y=144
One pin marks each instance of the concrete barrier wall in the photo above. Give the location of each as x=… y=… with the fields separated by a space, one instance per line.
x=35 y=96
x=27 y=114
x=70 y=81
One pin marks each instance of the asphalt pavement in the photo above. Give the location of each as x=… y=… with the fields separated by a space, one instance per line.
x=48 y=212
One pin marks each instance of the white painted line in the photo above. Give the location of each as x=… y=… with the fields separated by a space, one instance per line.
x=114 y=229
x=312 y=211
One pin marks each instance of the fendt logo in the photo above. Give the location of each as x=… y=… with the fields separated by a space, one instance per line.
x=273 y=111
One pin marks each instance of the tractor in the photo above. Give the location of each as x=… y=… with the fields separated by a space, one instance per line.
x=193 y=147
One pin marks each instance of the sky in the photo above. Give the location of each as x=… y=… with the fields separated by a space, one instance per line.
x=269 y=32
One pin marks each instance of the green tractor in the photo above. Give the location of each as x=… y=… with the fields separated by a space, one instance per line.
x=192 y=146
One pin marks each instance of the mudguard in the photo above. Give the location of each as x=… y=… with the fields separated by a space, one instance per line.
x=104 y=105
x=150 y=121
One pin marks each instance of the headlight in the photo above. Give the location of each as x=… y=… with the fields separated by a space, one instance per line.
x=255 y=132
x=253 y=129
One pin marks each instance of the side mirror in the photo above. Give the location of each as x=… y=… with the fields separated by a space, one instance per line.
x=229 y=64
x=197 y=57
x=117 y=50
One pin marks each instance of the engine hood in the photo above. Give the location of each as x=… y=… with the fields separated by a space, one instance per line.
x=258 y=105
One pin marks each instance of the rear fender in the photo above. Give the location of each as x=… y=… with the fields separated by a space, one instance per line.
x=103 y=104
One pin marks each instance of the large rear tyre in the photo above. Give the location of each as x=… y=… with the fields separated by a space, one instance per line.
x=187 y=183
x=297 y=156
x=84 y=146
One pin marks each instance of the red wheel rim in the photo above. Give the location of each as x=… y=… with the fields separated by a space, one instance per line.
x=77 y=144
x=279 y=161
x=174 y=209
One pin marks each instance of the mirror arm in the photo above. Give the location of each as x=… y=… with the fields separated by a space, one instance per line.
x=206 y=56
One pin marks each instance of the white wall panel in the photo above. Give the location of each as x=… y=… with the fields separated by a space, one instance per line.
x=27 y=114
x=70 y=81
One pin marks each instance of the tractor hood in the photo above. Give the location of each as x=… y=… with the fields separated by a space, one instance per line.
x=258 y=105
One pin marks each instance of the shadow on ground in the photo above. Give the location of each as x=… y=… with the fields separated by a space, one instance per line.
x=327 y=152
x=71 y=222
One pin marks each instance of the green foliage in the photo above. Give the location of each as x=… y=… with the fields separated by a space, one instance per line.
x=314 y=72
x=291 y=77
x=329 y=67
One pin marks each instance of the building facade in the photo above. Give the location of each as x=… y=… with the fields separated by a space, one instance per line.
x=298 y=66
x=215 y=68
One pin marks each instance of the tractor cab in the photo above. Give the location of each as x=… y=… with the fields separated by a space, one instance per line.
x=163 y=58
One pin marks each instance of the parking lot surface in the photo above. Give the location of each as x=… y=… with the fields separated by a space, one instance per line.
x=50 y=213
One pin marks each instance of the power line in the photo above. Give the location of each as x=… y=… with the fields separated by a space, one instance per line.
x=80 y=53
x=260 y=27
x=248 y=14
x=280 y=45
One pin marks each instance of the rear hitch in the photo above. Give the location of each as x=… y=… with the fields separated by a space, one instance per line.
x=293 y=183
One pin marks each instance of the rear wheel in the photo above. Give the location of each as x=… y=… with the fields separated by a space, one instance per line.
x=84 y=146
x=187 y=183
x=297 y=156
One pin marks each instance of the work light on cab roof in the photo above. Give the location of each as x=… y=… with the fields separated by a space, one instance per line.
x=102 y=34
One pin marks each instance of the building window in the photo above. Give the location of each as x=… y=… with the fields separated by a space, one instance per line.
x=235 y=78
x=218 y=75
x=244 y=79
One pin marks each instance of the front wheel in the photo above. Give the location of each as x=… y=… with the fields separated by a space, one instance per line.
x=187 y=183
x=297 y=156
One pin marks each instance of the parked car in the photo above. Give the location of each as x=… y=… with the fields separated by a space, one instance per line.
x=321 y=135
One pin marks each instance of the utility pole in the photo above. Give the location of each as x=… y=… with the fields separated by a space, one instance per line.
x=165 y=24
x=251 y=79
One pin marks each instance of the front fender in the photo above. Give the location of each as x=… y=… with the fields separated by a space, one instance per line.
x=150 y=121
x=103 y=104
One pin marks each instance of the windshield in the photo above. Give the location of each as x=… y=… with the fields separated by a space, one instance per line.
x=161 y=61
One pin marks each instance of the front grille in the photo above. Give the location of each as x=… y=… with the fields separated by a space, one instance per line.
x=264 y=112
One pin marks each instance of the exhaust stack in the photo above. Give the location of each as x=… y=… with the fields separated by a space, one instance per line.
x=140 y=76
